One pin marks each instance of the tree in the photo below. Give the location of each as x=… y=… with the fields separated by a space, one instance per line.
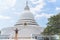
x=53 y=25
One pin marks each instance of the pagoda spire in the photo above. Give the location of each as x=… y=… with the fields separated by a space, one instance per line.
x=26 y=3
x=27 y=7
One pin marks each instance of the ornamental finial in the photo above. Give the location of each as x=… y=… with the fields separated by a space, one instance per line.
x=26 y=3
x=27 y=7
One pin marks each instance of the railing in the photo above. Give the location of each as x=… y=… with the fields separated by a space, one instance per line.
x=46 y=37
x=34 y=37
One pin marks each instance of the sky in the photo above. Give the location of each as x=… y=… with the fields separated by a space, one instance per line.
x=10 y=11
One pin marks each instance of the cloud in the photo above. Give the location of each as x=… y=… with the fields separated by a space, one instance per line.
x=51 y=0
x=17 y=13
x=5 y=4
x=43 y=15
x=4 y=17
x=39 y=6
x=57 y=8
x=13 y=9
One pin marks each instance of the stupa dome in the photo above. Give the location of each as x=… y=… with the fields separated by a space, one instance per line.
x=26 y=14
x=25 y=27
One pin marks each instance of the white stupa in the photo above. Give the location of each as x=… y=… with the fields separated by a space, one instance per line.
x=26 y=25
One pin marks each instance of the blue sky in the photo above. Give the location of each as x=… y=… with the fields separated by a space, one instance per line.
x=10 y=11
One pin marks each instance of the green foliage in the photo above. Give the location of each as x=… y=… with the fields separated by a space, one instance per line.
x=53 y=26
